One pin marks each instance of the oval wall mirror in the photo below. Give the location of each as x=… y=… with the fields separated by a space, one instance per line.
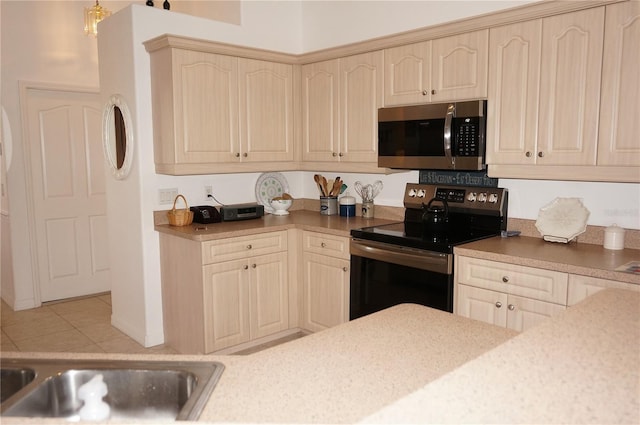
x=117 y=136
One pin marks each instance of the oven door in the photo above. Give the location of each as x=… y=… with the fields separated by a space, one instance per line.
x=384 y=275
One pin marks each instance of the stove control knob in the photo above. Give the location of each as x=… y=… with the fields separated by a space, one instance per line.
x=472 y=197
x=482 y=197
x=412 y=193
x=421 y=193
x=493 y=198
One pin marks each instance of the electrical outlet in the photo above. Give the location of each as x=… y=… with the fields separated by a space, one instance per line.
x=166 y=196
x=208 y=190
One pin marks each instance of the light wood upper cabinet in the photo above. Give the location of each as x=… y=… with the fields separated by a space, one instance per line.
x=459 y=67
x=266 y=111
x=514 y=79
x=219 y=113
x=448 y=68
x=407 y=74
x=620 y=92
x=321 y=110
x=195 y=106
x=340 y=101
x=570 y=88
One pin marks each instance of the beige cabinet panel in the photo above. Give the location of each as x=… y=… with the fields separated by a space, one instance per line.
x=325 y=291
x=534 y=283
x=512 y=106
x=219 y=250
x=226 y=304
x=481 y=304
x=570 y=88
x=361 y=95
x=195 y=106
x=340 y=101
x=269 y=295
x=320 y=243
x=407 y=74
x=580 y=287
x=620 y=96
x=266 y=111
x=459 y=66
x=321 y=110
x=500 y=309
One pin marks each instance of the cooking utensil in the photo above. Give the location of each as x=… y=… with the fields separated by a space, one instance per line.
x=335 y=189
x=325 y=186
x=317 y=179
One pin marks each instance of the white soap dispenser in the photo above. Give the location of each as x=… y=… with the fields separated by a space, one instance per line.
x=94 y=409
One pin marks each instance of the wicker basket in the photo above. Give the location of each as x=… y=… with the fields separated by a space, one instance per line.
x=180 y=217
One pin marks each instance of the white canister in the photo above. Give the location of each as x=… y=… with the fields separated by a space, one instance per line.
x=614 y=237
x=347 y=206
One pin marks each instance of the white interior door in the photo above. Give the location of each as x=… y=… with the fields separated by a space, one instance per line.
x=67 y=189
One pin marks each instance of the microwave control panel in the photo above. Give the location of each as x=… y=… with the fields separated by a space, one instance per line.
x=467 y=137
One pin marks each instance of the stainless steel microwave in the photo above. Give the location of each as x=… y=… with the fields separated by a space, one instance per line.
x=437 y=136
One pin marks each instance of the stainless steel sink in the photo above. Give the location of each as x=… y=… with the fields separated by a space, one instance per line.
x=167 y=390
x=13 y=380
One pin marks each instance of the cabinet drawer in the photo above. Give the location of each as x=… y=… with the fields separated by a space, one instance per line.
x=539 y=284
x=241 y=247
x=320 y=243
x=580 y=287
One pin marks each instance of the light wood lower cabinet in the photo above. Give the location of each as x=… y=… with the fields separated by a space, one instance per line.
x=580 y=287
x=325 y=292
x=498 y=308
x=221 y=293
x=516 y=297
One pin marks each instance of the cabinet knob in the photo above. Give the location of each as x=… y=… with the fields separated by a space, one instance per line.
x=505 y=279
x=324 y=245
x=540 y=154
x=498 y=304
x=245 y=154
x=334 y=154
x=340 y=154
x=254 y=265
x=433 y=92
x=511 y=307
x=237 y=155
x=344 y=269
x=528 y=154
x=249 y=246
x=425 y=92
x=245 y=267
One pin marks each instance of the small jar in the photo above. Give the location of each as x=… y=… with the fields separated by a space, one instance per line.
x=328 y=205
x=347 y=206
x=614 y=237
x=367 y=209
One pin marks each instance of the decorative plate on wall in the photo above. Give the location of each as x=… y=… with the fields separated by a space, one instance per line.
x=269 y=186
x=562 y=220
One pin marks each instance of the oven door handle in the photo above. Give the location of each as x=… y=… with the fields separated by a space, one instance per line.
x=437 y=262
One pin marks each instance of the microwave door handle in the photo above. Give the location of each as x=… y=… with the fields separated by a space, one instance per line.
x=447 y=133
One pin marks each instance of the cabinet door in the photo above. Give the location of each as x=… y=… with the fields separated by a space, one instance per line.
x=620 y=97
x=481 y=304
x=570 y=88
x=580 y=287
x=266 y=111
x=226 y=304
x=459 y=66
x=321 y=111
x=512 y=107
x=269 y=295
x=407 y=74
x=205 y=106
x=524 y=313
x=325 y=292
x=362 y=88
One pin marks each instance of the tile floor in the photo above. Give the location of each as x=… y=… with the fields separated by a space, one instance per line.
x=79 y=325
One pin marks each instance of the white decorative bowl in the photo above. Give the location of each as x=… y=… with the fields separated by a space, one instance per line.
x=281 y=206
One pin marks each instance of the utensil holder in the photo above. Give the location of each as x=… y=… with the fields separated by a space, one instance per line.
x=328 y=205
x=367 y=209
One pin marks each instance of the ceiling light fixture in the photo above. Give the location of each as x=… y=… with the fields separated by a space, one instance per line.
x=93 y=15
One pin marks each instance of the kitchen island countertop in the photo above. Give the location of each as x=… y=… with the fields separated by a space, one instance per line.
x=428 y=366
